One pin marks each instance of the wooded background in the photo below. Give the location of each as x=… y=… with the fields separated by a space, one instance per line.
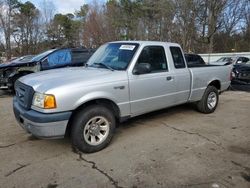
x=200 y=26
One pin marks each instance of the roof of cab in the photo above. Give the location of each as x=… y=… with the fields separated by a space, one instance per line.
x=147 y=42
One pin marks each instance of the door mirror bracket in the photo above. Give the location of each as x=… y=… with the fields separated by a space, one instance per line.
x=142 y=68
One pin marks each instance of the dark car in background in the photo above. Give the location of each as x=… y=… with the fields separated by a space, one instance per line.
x=194 y=60
x=51 y=59
x=25 y=58
x=233 y=60
x=241 y=73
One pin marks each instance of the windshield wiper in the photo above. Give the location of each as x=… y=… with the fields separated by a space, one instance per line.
x=104 y=65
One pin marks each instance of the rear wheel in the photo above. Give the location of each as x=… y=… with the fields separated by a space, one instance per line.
x=209 y=100
x=92 y=128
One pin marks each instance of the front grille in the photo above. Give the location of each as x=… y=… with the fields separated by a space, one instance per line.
x=24 y=94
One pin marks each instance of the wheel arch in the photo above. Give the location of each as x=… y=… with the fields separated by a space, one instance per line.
x=216 y=83
x=108 y=103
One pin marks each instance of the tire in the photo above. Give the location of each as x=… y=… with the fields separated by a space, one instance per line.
x=206 y=107
x=87 y=135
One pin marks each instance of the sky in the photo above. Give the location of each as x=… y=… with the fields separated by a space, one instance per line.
x=64 y=6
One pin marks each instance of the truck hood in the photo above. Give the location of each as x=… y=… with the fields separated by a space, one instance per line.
x=15 y=64
x=71 y=78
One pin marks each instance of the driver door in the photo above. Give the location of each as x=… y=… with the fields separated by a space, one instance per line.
x=154 y=90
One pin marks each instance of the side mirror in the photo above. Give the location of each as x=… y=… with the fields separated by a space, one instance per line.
x=142 y=68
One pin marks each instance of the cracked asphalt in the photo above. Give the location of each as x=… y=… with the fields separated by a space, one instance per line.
x=175 y=147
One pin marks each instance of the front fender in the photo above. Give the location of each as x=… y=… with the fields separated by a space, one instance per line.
x=93 y=96
x=121 y=100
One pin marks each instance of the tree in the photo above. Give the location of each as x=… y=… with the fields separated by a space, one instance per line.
x=7 y=10
x=185 y=30
x=79 y=23
x=200 y=26
x=65 y=30
x=95 y=31
x=27 y=28
x=47 y=11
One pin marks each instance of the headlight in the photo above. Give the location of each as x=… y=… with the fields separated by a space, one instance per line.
x=44 y=101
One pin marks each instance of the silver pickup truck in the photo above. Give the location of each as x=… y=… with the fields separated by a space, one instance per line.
x=121 y=80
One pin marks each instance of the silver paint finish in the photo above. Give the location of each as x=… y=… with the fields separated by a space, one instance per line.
x=45 y=130
x=73 y=87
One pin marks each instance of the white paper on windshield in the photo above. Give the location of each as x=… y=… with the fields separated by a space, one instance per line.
x=127 y=47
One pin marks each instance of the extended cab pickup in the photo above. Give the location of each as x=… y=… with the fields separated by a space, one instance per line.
x=121 y=80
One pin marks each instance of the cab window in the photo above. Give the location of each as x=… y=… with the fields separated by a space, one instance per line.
x=155 y=57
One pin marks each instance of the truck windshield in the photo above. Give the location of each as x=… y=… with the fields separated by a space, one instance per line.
x=113 y=56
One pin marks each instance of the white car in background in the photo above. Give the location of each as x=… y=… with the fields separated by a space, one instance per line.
x=230 y=60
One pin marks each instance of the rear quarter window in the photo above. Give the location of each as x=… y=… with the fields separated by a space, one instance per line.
x=178 y=58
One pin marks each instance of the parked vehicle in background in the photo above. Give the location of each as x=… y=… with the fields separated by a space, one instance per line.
x=18 y=59
x=230 y=60
x=194 y=60
x=51 y=59
x=241 y=73
x=121 y=80
x=23 y=58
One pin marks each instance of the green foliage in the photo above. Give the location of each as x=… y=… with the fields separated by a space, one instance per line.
x=13 y=4
x=196 y=24
x=82 y=13
x=64 y=30
x=28 y=9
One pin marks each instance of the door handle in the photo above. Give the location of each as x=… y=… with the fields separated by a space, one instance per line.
x=119 y=87
x=169 y=78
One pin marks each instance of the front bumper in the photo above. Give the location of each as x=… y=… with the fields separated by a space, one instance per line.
x=39 y=124
x=241 y=78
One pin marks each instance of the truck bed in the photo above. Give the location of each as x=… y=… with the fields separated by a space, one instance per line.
x=197 y=66
x=202 y=75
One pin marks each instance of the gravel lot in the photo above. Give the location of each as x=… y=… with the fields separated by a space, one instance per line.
x=176 y=147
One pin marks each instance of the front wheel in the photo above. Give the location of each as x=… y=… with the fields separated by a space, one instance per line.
x=93 y=128
x=209 y=100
